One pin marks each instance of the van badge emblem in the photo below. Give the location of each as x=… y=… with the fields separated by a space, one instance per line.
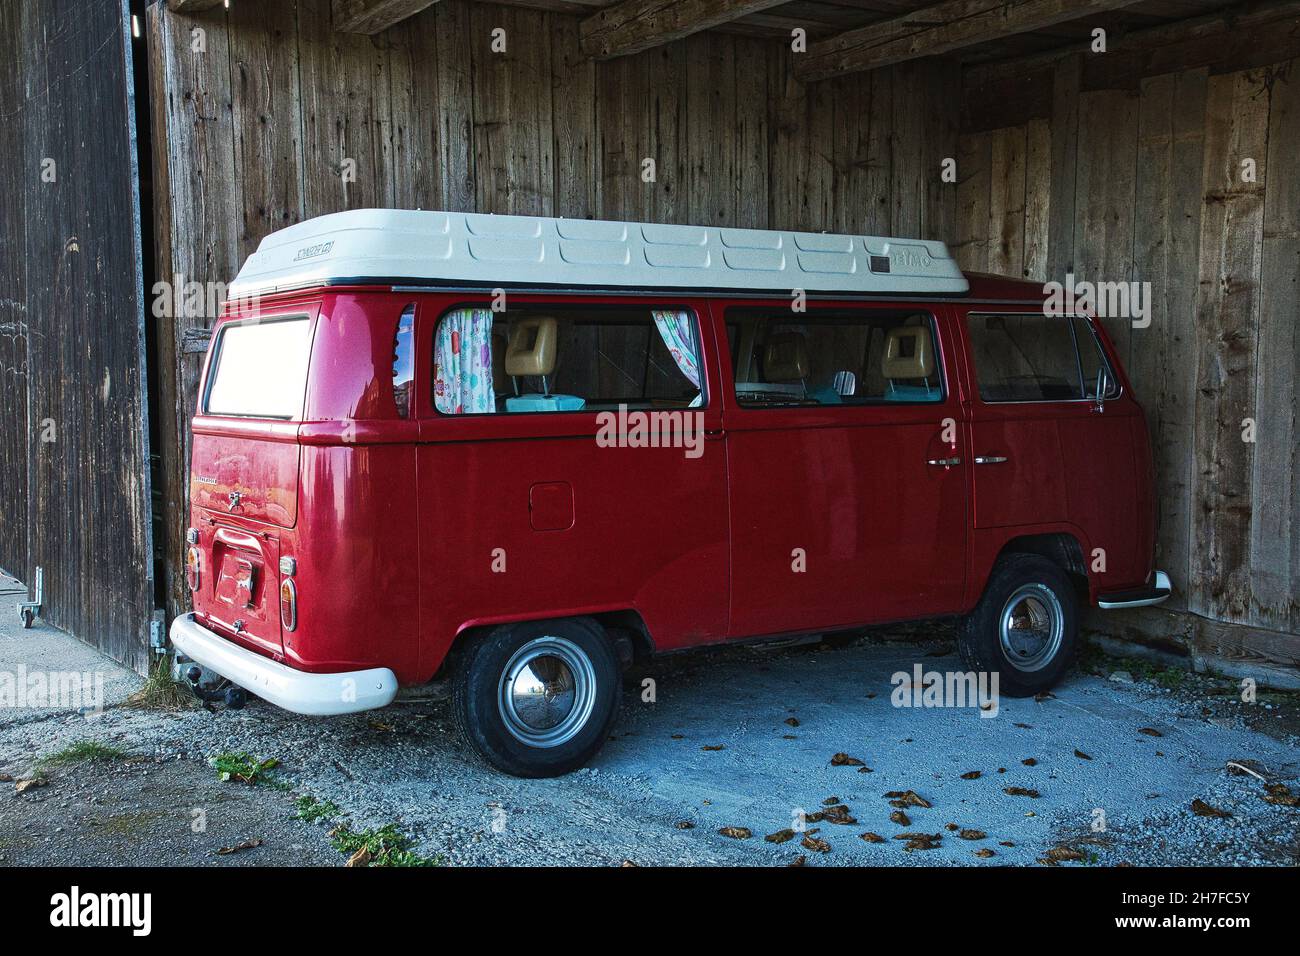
x=235 y=497
x=311 y=252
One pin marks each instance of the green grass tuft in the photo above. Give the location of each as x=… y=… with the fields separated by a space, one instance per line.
x=83 y=751
x=387 y=846
x=160 y=691
x=245 y=768
x=312 y=810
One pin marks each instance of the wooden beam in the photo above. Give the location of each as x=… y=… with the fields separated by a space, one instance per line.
x=939 y=29
x=636 y=25
x=192 y=6
x=1008 y=92
x=373 y=16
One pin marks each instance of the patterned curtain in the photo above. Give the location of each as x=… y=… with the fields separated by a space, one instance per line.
x=677 y=329
x=462 y=363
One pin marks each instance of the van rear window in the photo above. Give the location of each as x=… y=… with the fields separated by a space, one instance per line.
x=259 y=369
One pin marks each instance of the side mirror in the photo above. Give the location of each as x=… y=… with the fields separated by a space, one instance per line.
x=845 y=384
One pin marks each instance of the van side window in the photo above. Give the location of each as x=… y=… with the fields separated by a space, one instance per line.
x=833 y=358
x=259 y=368
x=566 y=359
x=404 y=361
x=1092 y=362
x=1025 y=358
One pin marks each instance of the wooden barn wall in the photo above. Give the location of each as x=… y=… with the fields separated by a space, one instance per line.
x=13 y=313
x=258 y=125
x=1145 y=184
x=74 y=487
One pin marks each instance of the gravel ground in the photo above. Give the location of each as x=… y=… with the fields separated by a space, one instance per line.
x=738 y=737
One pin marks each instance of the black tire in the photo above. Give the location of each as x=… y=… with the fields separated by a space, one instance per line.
x=979 y=637
x=481 y=701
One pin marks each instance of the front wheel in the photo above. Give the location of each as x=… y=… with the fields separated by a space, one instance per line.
x=537 y=699
x=1026 y=626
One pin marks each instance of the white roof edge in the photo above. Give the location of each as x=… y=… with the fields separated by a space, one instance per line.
x=397 y=246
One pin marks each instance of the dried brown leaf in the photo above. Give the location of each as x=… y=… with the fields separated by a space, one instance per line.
x=901 y=818
x=971 y=775
x=1203 y=809
x=969 y=834
x=810 y=842
x=246 y=845
x=907 y=798
x=361 y=858
x=1021 y=792
x=737 y=833
x=1150 y=732
x=844 y=760
x=780 y=836
x=984 y=853
x=871 y=837
x=1081 y=755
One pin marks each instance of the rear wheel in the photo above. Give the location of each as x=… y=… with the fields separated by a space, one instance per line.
x=537 y=699
x=1026 y=626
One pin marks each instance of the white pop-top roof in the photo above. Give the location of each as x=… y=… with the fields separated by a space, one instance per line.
x=404 y=247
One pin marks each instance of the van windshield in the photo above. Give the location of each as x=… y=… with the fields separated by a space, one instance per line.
x=259 y=369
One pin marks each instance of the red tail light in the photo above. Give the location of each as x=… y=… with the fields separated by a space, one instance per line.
x=288 y=604
x=192 y=567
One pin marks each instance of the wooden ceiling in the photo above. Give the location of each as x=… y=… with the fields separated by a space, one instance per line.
x=842 y=35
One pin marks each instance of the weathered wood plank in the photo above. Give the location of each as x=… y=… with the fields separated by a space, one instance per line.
x=1162 y=359
x=373 y=16
x=1275 y=524
x=939 y=29
x=974 y=188
x=749 y=134
x=513 y=141
x=195 y=142
x=635 y=25
x=345 y=104
x=1065 y=163
x=1007 y=201
x=1038 y=198
x=266 y=106
x=710 y=105
x=1104 y=197
x=573 y=110
x=1232 y=216
x=17 y=430
x=1270 y=658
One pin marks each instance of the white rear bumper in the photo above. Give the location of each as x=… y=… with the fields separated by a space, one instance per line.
x=298 y=691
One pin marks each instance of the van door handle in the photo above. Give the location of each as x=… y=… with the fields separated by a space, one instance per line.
x=990 y=459
x=944 y=462
x=715 y=434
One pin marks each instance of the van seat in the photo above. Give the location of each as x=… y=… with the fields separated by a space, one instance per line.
x=908 y=360
x=531 y=350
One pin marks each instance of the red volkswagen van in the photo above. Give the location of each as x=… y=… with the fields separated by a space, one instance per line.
x=516 y=452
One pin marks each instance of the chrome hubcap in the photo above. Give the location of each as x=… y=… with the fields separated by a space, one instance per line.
x=548 y=690
x=1031 y=627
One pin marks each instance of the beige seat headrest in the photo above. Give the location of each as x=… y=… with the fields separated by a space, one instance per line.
x=785 y=359
x=500 y=380
x=909 y=353
x=531 y=350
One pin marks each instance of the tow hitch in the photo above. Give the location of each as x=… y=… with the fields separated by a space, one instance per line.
x=234 y=696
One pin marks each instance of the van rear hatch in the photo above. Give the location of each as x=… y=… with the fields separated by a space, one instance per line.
x=244 y=470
